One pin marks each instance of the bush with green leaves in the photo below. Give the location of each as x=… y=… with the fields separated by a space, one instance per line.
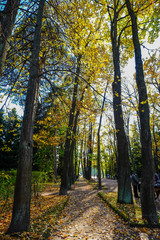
x=7 y=180
x=38 y=181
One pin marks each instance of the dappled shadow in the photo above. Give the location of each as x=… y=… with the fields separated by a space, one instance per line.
x=49 y=193
x=110 y=184
x=86 y=216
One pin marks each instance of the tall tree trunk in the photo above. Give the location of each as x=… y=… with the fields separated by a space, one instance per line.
x=21 y=208
x=156 y=145
x=55 y=161
x=90 y=151
x=98 y=135
x=73 y=143
x=155 y=150
x=129 y=144
x=147 y=183
x=84 y=154
x=76 y=163
x=124 y=183
x=55 y=157
x=7 y=20
x=66 y=159
x=98 y=162
x=115 y=150
x=81 y=156
x=71 y=166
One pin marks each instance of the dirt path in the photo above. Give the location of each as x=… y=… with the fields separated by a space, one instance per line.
x=86 y=216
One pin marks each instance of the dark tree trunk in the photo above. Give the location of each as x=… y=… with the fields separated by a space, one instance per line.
x=155 y=151
x=81 y=156
x=98 y=163
x=21 y=208
x=73 y=143
x=7 y=20
x=83 y=149
x=115 y=151
x=147 y=181
x=76 y=163
x=90 y=151
x=55 y=161
x=99 y=151
x=85 y=167
x=71 y=165
x=85 y=160
x=67 y=152
x=55 y=157
x=129 y=144
x=84 y=154
x=124 y=183
x=156 y=148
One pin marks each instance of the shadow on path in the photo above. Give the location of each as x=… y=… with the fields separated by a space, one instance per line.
x=86 y=216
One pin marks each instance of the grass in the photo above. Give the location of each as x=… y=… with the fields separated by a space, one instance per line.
x=129 y=212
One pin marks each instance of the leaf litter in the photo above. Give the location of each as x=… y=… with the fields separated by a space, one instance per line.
x=85 y=216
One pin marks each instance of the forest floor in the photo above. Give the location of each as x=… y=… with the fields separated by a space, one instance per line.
x=86 y=216
x=80 y=215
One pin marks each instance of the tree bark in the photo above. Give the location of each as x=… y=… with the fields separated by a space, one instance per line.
x=76 y=162
x=73 y=143
x=156 y=160
x=124 y=183
x=71 y=176
x=66 y=159
x=98 y=135
x=90 y=152
x=129 y=144
x=147 y=181
x=81 y=156
x=21 y=208
x=55 y=157
x=7 y=20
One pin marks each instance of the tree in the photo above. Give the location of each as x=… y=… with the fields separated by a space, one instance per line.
x=80 y=37
x=21 y=208
x=73 y=142
x=90 y=151
x=136 y=149
x=66 y=159
x=7 y=20
x=124 y=184
x=147 y=181
x=98 y=141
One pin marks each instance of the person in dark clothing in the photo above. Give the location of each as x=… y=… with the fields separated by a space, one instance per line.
x=135 y=184
x=156 y=178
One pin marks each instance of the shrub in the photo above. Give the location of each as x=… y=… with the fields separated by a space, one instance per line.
x=7 y=180
x=38 y=180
